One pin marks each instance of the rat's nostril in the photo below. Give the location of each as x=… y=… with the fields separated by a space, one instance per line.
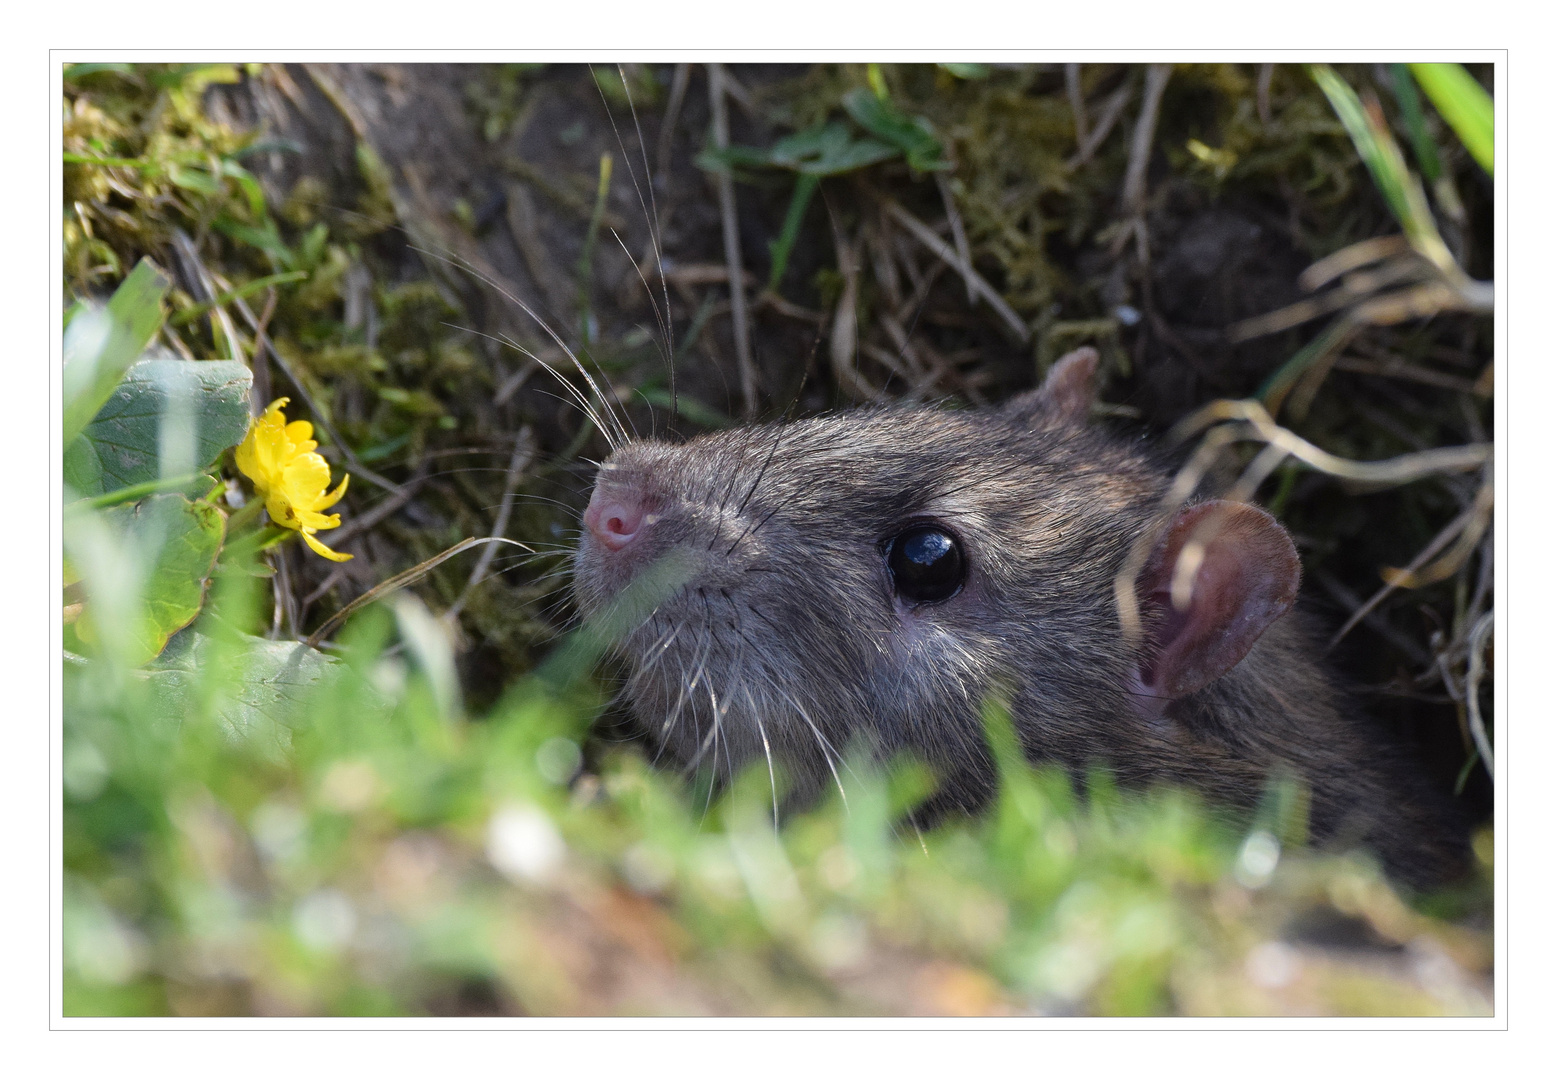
x=614 y=523
x=621 y=523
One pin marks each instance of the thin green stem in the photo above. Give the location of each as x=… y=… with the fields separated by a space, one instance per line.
x=190 y=314
x=139 y=491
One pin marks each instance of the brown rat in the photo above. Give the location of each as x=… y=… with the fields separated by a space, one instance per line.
x=787 y=591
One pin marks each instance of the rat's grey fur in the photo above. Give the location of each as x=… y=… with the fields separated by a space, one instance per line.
x=788 y=641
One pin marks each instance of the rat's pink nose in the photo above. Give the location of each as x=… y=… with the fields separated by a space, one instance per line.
x=613 y=520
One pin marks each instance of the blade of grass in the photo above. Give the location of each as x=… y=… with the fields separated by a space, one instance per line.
x=586 y=258
x=1281 y=382
x=1379 y=151
x=190 y=314
x=732 y=244
x=1464 y=105
x=399 y=581
x=98 y=360
x=1411 y=110
x=805 y=187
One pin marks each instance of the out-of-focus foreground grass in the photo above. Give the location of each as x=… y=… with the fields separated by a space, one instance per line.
x=362 y=848
x=253 y=825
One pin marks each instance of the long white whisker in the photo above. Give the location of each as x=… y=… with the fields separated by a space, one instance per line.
x=719 y=709
x=828 y=750
x=583 y=402
x=652 y=214
x=465 y=265
x=767 y=752
x=662 y=319
x=688 y=686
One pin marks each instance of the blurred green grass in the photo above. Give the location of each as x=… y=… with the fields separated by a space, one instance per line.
x=355 y=859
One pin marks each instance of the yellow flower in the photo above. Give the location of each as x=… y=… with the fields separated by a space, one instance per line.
x=279 y=457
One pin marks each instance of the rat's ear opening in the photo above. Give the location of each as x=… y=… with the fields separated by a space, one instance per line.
x=1067 y=392
x=1221 y=573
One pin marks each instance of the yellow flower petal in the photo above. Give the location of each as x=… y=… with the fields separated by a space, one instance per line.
x=274 y=408
x=320 y=549
x=258 y=456
x=304 y=479
x=245 y=457
x=300 y=436
x=312 y=519
x=335 y=496
x=281 y=511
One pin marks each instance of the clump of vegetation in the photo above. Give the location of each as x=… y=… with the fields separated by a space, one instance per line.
x=381 y=784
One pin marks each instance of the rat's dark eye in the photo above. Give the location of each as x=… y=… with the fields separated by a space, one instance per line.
x=926 y=564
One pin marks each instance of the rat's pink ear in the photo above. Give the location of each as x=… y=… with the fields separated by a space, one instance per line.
x=1239 y=573
x=1067 y=392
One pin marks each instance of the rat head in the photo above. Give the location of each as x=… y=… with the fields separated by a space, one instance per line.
x=787 y=590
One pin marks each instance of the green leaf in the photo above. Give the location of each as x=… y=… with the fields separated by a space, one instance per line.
x=249 y=183
x=83 y=469
x=714 y=159
x=827 y=150
x=311 y=249
x=1463 y=103
x=194 y=78
x=273 y=684
x=910 y=134
x=101 y=344
x=143 y=164
x=181 y=540
x=265 y=237
x=196 y=180
x=821 y=150
x=966 y=71
x=76 y=71
x=688 y=406
x=189 y=409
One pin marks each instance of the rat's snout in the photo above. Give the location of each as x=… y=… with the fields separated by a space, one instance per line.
x=615 y=516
